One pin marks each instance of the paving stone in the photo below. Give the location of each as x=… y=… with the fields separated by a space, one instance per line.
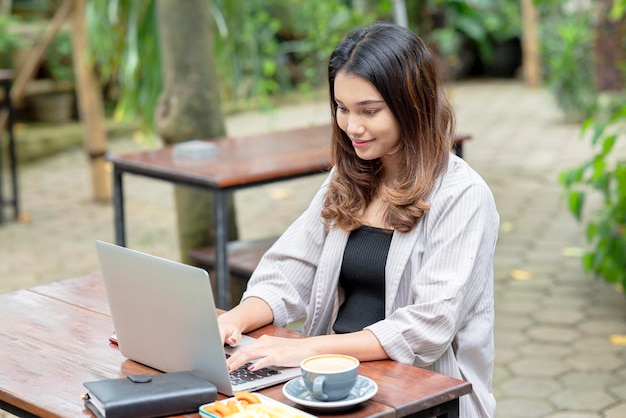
x=574 y=414
x=591 y=379
x=505 y=355
x=591 y=362
x=529 y=387
x=599 y=345
x=560 y=300
x=520 y=307
x=538 y=367
x=507 y=321
x=552 y=334
x=523 y=408
x=558 y=316
x=538 y=350
x=618 y=390
x=582 y=399
x=617 y=411
x=602 y=327
x=509 y=339
x=500 y=373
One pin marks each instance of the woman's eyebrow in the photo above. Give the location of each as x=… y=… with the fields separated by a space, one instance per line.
x=370 y=102
x=363 y=103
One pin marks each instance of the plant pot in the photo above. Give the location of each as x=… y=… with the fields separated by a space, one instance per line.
x=52 y=106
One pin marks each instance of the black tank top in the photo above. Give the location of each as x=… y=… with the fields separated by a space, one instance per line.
x=362 y=278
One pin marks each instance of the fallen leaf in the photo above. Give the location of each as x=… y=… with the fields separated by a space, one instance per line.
x=521 y=274
x=618 y=339
x=506 y=227
x=576 y=252
x=281 y=194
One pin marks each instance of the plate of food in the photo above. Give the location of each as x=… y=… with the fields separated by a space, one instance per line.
x=250 y=405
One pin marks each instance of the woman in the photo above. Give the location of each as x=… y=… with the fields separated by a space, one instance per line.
x=394 y=256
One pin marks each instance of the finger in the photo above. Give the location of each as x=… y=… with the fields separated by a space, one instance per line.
x=260 y=364
x=233 y=339
x=236 y=360
x=234 y=363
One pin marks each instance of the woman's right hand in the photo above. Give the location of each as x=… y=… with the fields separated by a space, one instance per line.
x=250 y=314
x=229 y=332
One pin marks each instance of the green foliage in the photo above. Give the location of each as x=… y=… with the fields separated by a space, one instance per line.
x=566 y=48
x=266 y=47
x=263 y=47
x=603 y=173
x=57 y=59
x=124 y=47
x=619 y=9
x=9 y=41
x=447 y=24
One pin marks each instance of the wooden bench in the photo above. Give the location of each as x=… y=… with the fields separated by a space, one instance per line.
x=244 y=256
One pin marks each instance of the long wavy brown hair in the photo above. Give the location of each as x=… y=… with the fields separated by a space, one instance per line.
x=403 y=70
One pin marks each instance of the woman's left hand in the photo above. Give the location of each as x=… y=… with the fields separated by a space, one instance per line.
x=272 y=351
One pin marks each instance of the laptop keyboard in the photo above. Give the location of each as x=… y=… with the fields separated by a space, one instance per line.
x=243 y=375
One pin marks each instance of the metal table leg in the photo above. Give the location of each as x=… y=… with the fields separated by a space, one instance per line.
x=12 y=153
x=1 y=186
x=118 y=207
x=6 y=79
x=448 y=409
x=221 y=241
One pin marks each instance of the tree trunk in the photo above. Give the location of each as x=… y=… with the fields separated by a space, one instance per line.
x=189 y=107
x=90 y=106
x=609 y=48
x=531 y=62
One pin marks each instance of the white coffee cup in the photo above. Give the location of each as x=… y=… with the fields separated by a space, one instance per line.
x=330 y=377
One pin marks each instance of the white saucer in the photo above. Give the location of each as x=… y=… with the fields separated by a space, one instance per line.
x=296 y=391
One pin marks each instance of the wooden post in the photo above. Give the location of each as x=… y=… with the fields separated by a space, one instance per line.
x=90 y=106
x=31 y=64
x=530 y=44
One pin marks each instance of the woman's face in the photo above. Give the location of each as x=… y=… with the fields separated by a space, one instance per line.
x=365 y=117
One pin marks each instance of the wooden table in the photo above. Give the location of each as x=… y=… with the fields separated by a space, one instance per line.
x=241 y=162
x=55 y=337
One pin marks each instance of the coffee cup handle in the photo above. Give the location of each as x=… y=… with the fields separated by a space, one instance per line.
x=318 y=388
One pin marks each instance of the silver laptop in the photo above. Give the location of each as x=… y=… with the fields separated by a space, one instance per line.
x=164 y=317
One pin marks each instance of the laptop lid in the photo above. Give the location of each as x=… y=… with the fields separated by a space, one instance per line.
x=164 y=316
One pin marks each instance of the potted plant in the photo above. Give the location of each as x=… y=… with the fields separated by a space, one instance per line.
x=56 y=102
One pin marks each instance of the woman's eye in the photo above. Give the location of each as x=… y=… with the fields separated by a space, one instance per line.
x=341 y=109
x=369 y=111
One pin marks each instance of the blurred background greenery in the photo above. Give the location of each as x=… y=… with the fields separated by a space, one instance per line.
x=267 y=52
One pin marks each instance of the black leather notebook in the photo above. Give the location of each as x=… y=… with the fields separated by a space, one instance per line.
x=143 y=396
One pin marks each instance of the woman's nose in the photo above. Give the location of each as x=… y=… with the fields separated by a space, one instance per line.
x=355 y=128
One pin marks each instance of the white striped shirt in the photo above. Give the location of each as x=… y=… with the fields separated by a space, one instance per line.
x=439 y=301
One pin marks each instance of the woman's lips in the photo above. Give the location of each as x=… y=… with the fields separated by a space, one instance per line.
x=360 y=143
